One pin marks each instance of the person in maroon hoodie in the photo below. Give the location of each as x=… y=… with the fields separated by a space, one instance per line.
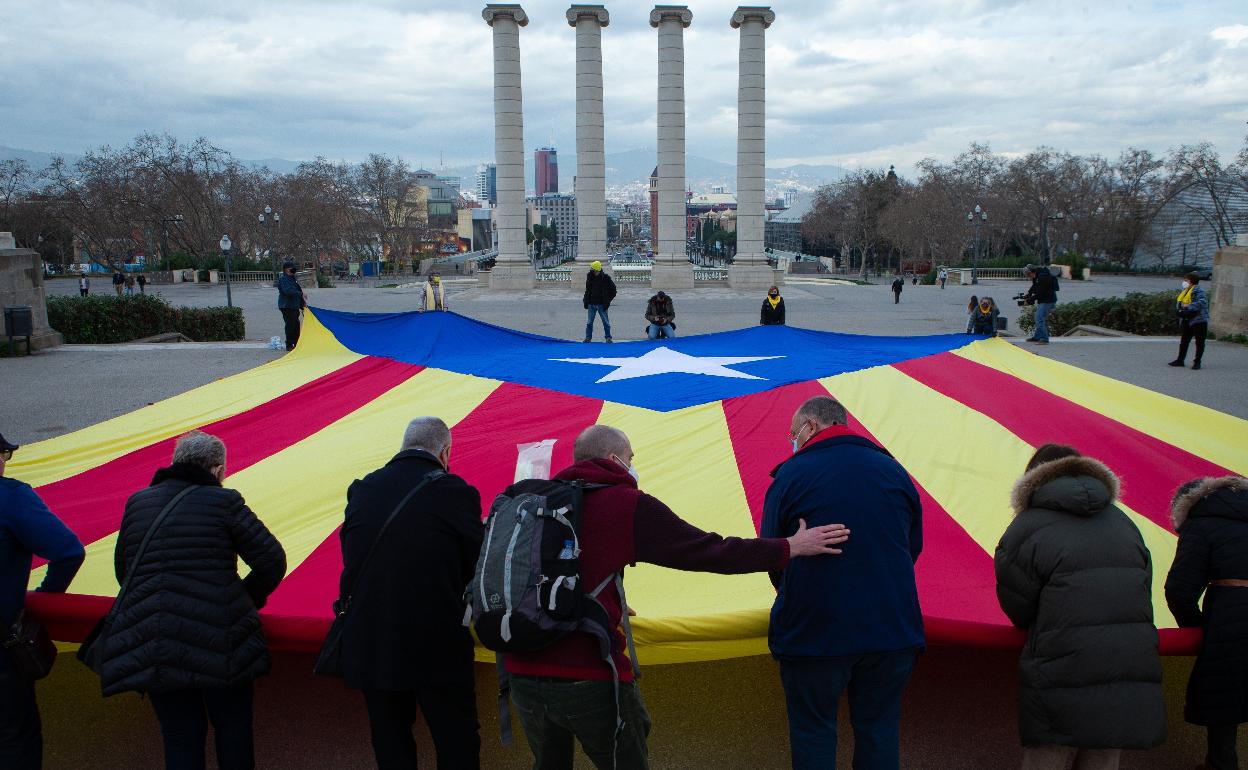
x=565 y=691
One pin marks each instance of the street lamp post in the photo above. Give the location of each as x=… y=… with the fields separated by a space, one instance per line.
x=176 y=219
x=268 y=218
x=1044 y=233
x=225 y=245
x=976 y=217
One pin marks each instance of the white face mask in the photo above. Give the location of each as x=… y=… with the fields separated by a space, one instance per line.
x=628 y=467
x=1185 y=284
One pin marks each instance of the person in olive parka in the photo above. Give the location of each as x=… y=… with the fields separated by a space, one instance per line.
x=1073 y=570
x=1211 y=517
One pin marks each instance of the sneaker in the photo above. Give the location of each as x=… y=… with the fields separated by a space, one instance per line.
x=1041 y=342
x=1175 y=362
x=1030 y=339
x=587 y=339
x=1195 y=365
x=610 y=340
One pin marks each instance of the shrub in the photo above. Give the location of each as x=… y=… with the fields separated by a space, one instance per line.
x=323 y=281
x=1136 y=313
x=930 y=278
x=102 y=319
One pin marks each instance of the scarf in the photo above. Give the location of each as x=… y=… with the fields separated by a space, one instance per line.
x=775 y=303
x=430 y=303
x=1185 y=296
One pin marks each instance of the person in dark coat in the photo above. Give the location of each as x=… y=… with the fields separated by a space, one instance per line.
x=661 y=315
x=1043 y=293
x=187 y=632
x=772 y=313
x=404 y=643
x=1073 y=571
x=899 y=283
x=27 y=528
x=984 y=317
x=850 y=623
x=290 y=301
x=119 y=282
x=1211 y=517
x=599 y=292
x=1193 y=307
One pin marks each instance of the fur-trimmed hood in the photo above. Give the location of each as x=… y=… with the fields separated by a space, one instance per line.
x=1182 y=507
x=1092 y=488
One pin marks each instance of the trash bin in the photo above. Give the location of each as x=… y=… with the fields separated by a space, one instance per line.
x=1002 y=323
x=18 y=322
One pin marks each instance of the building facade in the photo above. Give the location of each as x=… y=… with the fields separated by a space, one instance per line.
x=561 y=208
x=546 y=171
x=487 y=183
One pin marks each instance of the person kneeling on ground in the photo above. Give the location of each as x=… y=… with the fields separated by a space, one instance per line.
x=772 y=313
x=1211 y=517
x=1073 y=571
x=984 y=317
x=661 y=314
x=565 y=692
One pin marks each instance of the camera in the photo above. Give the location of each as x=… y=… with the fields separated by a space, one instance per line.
x=1022 y=299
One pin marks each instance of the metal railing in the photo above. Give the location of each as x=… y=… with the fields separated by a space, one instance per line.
x=710 y=274
x=555 y=275
x=990 y=273
x=633 y=276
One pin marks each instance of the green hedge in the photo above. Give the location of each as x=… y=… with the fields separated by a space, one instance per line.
x=1137 y=313
x=104 y=319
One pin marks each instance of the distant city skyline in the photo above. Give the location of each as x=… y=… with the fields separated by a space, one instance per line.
x=853 y=84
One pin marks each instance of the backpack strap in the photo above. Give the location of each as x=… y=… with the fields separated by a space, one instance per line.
x=147 y=538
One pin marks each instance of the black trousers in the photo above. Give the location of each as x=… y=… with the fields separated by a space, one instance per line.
x=1222 y=754
x=291 y=317
x=1198 y=332
x=21 y=732
x=451 y=714
x=184 y=717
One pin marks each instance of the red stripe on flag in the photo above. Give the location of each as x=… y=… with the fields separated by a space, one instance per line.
x=955 y=575
x=91 y=503
x=483 y=452
x=1150 y=469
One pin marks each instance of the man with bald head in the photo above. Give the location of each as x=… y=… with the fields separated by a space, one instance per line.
x=403 y=642
x=565 y=692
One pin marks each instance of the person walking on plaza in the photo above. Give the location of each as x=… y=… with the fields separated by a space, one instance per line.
x=186 y=630
x=599 y=292
x=899 y=283
x=1193 y=307
x=291 y=302
x=1043 y=293
x=1211 y=517
x=84 y=284
x=565 y=692
x=142 y=280
x=404 y=643
x=851 y=623
x=661 y=313
x=119 y=282
x=772 y=313
x=942 y=276
x=984 y=318
x=433 y=296
x=1073 y=571
x=129 y=284
x=27 y=528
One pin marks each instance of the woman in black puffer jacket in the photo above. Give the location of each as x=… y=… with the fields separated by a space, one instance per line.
x=1073 y=570
x=187 y=631
x=1211 y=517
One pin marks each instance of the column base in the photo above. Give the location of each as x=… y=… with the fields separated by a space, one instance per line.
x=38 y=341
x=751 y=277
x=670 y=277
x=512 y=277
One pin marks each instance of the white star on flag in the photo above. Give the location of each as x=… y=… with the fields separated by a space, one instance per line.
x=667 y=361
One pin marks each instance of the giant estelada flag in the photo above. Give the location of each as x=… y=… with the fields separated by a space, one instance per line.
x=708 y=417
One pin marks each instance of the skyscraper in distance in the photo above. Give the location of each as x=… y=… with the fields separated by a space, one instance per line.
x=487 y=183
x=546 y=169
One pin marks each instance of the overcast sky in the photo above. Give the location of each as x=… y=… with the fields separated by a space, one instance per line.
x=853 y=83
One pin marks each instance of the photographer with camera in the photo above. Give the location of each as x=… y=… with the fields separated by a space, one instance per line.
x=1043 y=293
x=1193 y=306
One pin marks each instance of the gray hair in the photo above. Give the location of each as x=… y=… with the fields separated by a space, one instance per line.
x=598 y=442
x=200 y=449
x=427 y=433
x=824 y=410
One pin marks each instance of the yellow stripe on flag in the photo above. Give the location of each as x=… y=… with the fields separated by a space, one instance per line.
x=44 y=462
x=1217 y=437
x=967 y=461
x=685 y=459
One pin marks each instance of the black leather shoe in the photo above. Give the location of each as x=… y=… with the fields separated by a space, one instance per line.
x=1175 y=363
x=1195 y=365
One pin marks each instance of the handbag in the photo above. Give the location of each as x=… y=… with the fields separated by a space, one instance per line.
x=30 y=647
x=89 y=652
x=329 y=660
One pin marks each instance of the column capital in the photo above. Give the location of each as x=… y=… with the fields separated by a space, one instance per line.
x=745 y=13
x=679 y=13
x=508 y=10
x=599 y=12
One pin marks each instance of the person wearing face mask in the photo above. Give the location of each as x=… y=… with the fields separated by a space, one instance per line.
x=434 y=295
x=984 y=317
x=185 y=629
x=851 y=623
x=773 y=308
x=1193 y=307
x=291 y=302
x=404 y=643
x=565 y=692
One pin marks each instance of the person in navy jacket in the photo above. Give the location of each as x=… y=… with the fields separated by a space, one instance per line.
x=852 y=622
x=27 y=528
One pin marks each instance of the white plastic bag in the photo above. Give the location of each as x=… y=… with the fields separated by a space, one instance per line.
x=275 y=343
x=533 y=460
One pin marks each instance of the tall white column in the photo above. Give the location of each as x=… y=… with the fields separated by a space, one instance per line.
x=591 y=165
x=750 y=269
x=671 y=265
x=512 y=270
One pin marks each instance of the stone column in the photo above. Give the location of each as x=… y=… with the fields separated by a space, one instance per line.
x=591 y=168
x=21 y=283
x=513 y=269
x=671 y=269
x=750 y=270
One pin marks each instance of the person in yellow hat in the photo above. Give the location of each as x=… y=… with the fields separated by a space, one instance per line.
x=599 y=291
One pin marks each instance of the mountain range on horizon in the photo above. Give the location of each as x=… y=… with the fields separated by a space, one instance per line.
x=626 y=168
